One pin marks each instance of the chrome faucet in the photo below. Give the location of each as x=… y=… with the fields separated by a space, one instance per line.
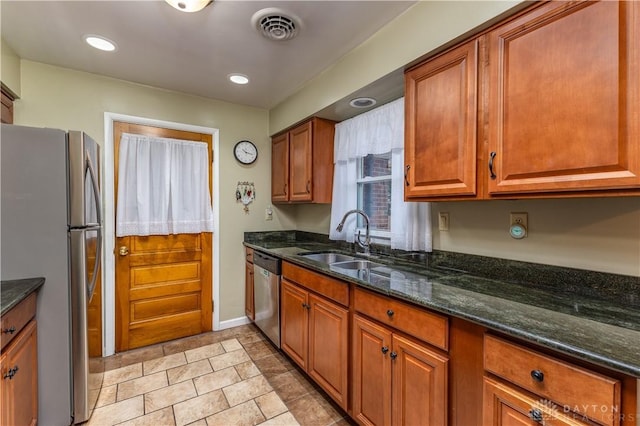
x=367 y=238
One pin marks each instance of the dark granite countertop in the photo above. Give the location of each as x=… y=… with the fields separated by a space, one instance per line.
x=595 y=329
x=13 y=292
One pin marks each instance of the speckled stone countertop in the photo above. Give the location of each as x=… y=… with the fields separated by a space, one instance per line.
x=13 y=292
x=596 y=329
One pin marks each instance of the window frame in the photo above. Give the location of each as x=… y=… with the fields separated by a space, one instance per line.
x=382 y=237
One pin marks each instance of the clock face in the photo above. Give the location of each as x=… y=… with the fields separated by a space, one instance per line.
x=245 y=152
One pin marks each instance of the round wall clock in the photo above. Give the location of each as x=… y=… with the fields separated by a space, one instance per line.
x=245 y=152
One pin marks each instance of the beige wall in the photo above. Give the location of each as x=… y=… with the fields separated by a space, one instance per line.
x=421 y=29
x=66 y=99
x=10 y=68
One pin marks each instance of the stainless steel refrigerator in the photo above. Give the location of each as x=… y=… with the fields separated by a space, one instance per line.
x=51 y=228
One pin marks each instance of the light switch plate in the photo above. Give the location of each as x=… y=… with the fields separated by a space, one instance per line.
x=443 y=221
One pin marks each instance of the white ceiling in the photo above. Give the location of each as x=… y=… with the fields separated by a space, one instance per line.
x=194 y=52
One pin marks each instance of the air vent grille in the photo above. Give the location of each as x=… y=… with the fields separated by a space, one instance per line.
x=276 y=25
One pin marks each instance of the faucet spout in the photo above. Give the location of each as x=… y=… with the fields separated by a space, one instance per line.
x=367 y=239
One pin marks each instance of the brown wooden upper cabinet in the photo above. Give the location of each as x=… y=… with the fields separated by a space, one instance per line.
x=557 y=96
x=302 y=163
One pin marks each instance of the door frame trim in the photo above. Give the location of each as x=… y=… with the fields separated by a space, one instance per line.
x=108 y=271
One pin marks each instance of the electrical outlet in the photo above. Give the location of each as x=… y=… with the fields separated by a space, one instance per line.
x=443 y=221
x=519 y=219
x=268 y=213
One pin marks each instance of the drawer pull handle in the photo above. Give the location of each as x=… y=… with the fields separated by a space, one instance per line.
x=9 y=330
x=393 y=355
x=11 y=372
x=492 y=156
x=390 y=313
x=385 y=349
x=406 y=175
x=537 y=375
x=536 y=415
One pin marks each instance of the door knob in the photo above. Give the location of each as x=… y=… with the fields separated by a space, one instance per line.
x=124 y=250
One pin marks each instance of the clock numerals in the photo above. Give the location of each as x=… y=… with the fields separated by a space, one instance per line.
x=245 y=152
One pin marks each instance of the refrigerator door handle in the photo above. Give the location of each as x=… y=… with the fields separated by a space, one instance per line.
x=96 y=267
x=96 y=188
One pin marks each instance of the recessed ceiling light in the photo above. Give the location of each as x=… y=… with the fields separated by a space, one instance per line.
x=100 y=42
x=189 y=5
x=239 y=78
x=362 y=102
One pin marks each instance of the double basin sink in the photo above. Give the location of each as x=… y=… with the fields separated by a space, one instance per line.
x=341 y=261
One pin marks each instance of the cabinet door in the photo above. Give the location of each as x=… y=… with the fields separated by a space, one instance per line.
x=564 y=99
x=329 y=347
x=371 y=373
x=294 y=330
x=280 y=168
x=506 y=406
x=419 y=384
x=441 y=115
x=20 y=391
x=300 y=150
x=248 y=291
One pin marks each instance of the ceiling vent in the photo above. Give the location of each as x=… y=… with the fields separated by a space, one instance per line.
x=276 y=24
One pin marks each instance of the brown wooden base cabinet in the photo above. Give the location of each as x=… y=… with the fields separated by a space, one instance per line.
x=315 y=334
x=396 y=380
x=19 y=365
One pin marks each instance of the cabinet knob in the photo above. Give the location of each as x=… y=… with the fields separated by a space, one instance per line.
x=393 y=355
x=406 y=174
x=10 y=373
x=385 y=349
x=537 y=375
x=536 y=415
x=390 y=313
x=492 y=156
x=9 y=330
x=306 y=306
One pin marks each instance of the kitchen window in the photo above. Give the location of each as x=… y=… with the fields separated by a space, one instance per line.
x=374 y=193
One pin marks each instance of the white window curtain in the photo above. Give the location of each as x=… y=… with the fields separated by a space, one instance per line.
x=376 y=132
x=163 y=187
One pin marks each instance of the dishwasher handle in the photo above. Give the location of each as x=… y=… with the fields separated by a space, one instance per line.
x=270 y=263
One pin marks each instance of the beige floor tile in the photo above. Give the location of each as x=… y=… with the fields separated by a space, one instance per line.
x=199 y=407
x=285 y=419
x=162 y=417
x=165 y=397
x=189 y=371
x=270 y=404
x=163 y=363
x=309 y=411
x=244 y=414
x=260 y=350
x=216 y=380
x=246 y=390
x=247 y=369
x=288 y=386
x=231 y=345
x=139 y=355
x=247 y=339
x=272 y=365
x=182 y=345
x=142 y=385
x=117 y=413
x=229 y=359
x=201 y=422
x=204 y=352
x=122 y=374
x=107 y=396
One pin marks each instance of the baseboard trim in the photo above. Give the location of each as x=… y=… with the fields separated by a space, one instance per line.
x=233 y=323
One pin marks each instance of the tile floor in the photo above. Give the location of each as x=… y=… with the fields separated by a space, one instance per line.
x=230 y=377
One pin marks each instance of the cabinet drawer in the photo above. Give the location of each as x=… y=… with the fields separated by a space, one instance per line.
x=249 y=254
x=574 y=388
x=427 y=326
x=17 y=318
x=333 y=289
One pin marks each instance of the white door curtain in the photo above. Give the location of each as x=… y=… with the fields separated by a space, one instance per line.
x=163 y=187
x=377 y=131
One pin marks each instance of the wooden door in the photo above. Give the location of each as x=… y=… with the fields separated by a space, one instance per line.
x=280 y=168
x=248 y=291
x=371 y=373
x=419 y=384
x=163 y=282
x=300 y=167
x=564 y=102
x=506 y=406
x=329 y=348
x=441 y=115
x=20 y=392
x=294 y=337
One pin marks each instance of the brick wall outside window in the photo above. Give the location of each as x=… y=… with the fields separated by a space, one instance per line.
x=375 y=197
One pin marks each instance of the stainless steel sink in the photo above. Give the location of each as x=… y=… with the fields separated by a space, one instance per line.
x=328 y=258
x=355 y=264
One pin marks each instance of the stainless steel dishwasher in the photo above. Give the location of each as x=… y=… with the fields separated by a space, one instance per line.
x=266 y=294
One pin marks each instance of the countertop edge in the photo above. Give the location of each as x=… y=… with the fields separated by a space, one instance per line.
x=19 y=290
